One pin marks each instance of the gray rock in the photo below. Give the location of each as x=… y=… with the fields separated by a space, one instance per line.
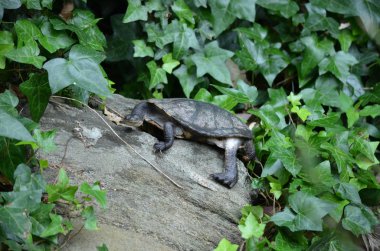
x=145 y=210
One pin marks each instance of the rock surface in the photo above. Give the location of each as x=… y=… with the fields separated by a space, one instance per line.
x=145 y=210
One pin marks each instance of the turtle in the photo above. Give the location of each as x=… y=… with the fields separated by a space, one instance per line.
x=198 y=121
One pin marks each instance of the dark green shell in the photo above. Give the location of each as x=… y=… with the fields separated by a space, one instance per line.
x=203 y=118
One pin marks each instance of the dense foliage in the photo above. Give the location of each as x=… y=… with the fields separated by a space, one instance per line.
x=305 y=70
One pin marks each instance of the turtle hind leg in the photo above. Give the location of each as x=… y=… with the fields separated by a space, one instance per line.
x=249 y=150
x=168 y=138
x=229 y=177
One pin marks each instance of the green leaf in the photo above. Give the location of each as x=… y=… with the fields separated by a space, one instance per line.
x=89 y=214
x=80 y=71
x=226 y=245
x=169 y=63
x=260 y=55
x=212 y=61
x=157 y=75
x=53 y=40
x=282 y=148
x=6 y=44
x=287 y=8
x=38 y=92
x=315 y=51
x=352 y=116
x=55 y=227
x=27 y=31
x=45 y=140
x=33 y=4
x=309 y=211
x=338 y=64
x=345 y=40
x=96 y=192
x=141 y=49
x=182 y=10
x=11 y=156
x=102 y=248
x=343 y=160
x=291 y=242
x=230 y=10
x=11 y=128
x=187 y=80
x=242 y=94
x=251 y=228
x=26 y=181
x=27 y=55
x=370 y=110
x=83 y=23
x=347 y=191
x=135 y=11
x=8 y=102
x=61 y=190
x=14 y=222
x=359 y=220
x=319 y=176
x=80 y=52
x=318 y=21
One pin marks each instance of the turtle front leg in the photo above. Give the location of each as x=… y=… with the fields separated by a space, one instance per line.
x=230 y=175
x=168 y=138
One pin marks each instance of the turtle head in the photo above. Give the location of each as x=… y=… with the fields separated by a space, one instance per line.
x=134 y=120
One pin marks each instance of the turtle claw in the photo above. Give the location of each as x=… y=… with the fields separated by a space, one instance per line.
x=159 y=146
x=226 y=179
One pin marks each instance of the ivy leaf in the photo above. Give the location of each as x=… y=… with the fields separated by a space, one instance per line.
x=345 y=40
x=53 y=40
x=157 y=75
x=282 y=148
x=141 y=49
x=32 y=4
x=8 y=4
x=79 y=52
x=338 y=64
x=45 y=140
x=27 y=55
x=343 y=160
x=80 y=71
x=251 y=227
x=135 y=11
x=6 y=44
x=370 y=110
x=38 y=92
x=96 y=192
x=347 y=191
x=55 y=227
x=169 y=63
x=242 y=94
x=15 y=222
x=287 y=8
x=187 y=80
x=62 y=189
x=270 y=61
x=27 y=31
x=83 y=23
x=359 y=220
x=226 y=245
x=182 y=10
x=26 y=181
x=212 y=61
x=309 y=211
x=230 y=10
x=102 y=248
x=314 y=53
x=11 y=128
x=8 y=102
x=89 y=214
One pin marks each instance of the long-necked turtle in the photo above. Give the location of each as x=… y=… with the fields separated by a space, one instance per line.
x=199 y=121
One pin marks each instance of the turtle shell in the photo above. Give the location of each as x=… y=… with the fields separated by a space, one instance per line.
x=203 y=118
